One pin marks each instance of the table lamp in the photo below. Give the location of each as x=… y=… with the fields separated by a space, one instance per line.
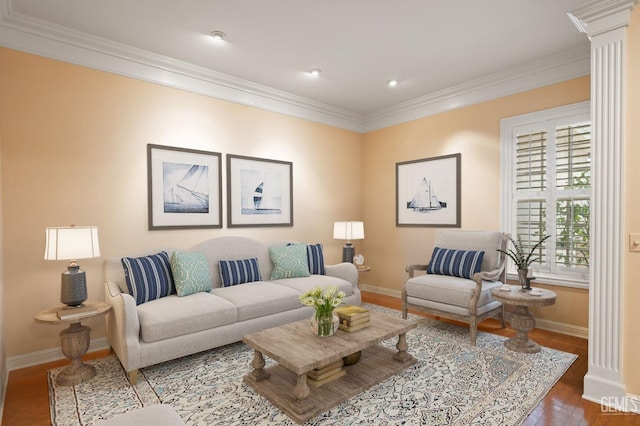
x=72 y=243
x=348 y=231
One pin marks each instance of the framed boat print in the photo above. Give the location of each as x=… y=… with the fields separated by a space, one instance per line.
x=259 y=192
x=185 y=188
x=428 y=192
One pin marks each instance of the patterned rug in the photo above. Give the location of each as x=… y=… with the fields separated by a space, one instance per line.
x=452 y=383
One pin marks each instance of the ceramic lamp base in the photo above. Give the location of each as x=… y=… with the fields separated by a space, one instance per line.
x=348 y=252
x=73 y=290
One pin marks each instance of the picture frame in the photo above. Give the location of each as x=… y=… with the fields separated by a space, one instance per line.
x=428 y=192
x=259 y=192
x=184 y=188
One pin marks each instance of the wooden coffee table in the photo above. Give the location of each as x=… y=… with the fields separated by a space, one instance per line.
x=297 y=350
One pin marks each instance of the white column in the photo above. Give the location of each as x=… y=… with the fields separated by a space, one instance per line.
x=605 y=22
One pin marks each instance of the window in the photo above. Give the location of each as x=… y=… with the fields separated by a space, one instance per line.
x=546 y=177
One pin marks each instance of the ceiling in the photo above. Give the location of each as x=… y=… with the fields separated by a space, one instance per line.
x=429 y=46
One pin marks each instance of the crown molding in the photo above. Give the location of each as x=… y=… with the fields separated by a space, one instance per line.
x=601 y=16
x=41 y=38
x=542 y=72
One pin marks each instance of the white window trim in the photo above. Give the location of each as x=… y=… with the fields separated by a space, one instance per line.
x=506 y=174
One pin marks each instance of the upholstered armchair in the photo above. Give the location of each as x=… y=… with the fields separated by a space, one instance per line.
x=464 y=267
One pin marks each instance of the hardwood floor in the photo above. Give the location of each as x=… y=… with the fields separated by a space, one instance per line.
x=27 y=400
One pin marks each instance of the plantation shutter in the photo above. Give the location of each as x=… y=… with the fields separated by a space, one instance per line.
x=552 y=173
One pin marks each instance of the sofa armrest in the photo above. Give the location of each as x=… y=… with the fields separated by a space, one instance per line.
x=345 y=270
x=123 y=327
x=412 y=268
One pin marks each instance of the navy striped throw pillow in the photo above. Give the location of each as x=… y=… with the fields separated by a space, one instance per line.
x=234 y=272
x=149 y=277
x=457 y=263
x=315 y=259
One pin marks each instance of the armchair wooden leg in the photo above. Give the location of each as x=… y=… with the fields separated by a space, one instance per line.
x=473 y=329
x=404 y=304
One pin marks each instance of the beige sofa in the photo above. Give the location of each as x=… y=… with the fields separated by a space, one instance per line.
x=170 y=327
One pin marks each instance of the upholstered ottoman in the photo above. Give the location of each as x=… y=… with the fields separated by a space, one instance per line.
x=153 y=415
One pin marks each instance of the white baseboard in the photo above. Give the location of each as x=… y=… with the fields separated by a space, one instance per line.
x=558 y=327
x=48 y=355
x=562 y=328
x=380 y=290
x=633 y=403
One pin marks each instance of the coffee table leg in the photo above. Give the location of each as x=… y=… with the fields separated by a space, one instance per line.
x=402 y=355
x=301 y=404
x=523 y=322
x=258 y=372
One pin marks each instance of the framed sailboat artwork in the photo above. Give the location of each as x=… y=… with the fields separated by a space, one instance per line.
x=185 y=188
x=428 y=192
x=259 y=192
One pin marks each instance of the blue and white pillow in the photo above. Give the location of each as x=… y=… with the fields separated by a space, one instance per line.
x=234 y=272
x=457 y=263
x=289 y=261
x=190 y=273
x=315 y=258
x=149 y=277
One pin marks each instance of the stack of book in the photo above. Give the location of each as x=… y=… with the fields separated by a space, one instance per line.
x=326 y=374
x=352 y=318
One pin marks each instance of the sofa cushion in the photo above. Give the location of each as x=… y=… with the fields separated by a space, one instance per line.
x=234 y=272
x=458 y=263
x=302 y=285
x=449 y=290
x=289 y=261
x=149 y=277
x=258 y=299
x=174 y=316
x=315 y=259
x=190 y=273
x=156 y=415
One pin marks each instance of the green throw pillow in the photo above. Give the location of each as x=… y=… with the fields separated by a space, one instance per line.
x=190 y=273
x=289 y=261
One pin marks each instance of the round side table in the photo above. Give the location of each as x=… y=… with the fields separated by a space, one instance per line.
x=521 y=319
x=74 y=341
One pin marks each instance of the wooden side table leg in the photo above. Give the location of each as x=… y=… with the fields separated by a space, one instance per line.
x=75 y=343
x=402 y=355
x=258 y=372
x=523 y=322
x=301 y=403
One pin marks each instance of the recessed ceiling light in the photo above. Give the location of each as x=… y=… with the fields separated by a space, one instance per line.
x=315 y=72
x=392 y=83
x=218 y=35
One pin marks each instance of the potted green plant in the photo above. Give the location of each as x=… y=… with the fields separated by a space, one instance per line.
x=523 y=260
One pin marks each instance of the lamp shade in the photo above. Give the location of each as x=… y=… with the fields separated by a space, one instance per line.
x=348 y=230
x=71 y=243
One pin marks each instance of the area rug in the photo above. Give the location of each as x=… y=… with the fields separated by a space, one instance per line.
x=453 y=383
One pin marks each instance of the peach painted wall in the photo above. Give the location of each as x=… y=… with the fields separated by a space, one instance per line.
x=631 y=290
x=475 y=133
x=3 y=363
x=74 y=152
